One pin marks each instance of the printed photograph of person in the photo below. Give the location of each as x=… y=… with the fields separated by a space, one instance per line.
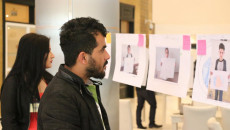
x=129 y=61
x=167 y=64
x=219 y=72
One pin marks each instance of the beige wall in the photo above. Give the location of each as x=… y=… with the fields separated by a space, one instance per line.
x=143 y=11
x=191 y=16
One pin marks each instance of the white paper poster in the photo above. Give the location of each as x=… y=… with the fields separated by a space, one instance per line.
x=170 y=64
x=212 y=70
x=130 y=59
x=129 y=64
x=167 y=68
x=108 y=49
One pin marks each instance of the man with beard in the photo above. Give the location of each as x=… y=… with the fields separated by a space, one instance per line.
x=72 y=100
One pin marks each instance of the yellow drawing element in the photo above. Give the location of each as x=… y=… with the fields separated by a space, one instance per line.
x=108 y=38
x=218 y=82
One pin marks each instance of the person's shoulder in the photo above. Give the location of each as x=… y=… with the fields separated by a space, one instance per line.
x=9 y=85
x=60 y=81
x=59 y=85
x=10 y=80
x=47 y=76
x=217 y=60
x=58 y=91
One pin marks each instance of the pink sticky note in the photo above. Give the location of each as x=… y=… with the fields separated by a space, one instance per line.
x=201 y=50
x=186 y=42
x=140 y=40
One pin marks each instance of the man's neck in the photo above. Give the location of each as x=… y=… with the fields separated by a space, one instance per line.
x=77 y=72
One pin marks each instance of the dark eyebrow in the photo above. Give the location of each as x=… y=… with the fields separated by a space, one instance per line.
x=103 y=48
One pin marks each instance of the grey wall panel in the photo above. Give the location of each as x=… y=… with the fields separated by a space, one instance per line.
x=51 y=12
x=107 y=11
x=50 y=15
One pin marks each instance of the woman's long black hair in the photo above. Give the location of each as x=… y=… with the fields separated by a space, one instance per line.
x=30 y=64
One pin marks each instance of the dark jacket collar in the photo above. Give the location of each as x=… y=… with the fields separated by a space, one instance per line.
x=70 y=75
x=73 y=77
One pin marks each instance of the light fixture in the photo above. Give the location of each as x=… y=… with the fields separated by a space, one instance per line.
x=151 y=24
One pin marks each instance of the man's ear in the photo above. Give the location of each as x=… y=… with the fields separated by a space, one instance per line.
x=82 y=58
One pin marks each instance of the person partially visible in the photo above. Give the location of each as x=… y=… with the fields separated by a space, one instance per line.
x=220 y=65
x=72 y=100
x=129 y=54
x=23 y=87
x=149 y=96
x=166 y=54
x=129 y=61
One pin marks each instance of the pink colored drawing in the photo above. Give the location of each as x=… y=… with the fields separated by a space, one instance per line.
x=218 y=81
x=140 y=40
x=186 y=42
x=201 y=50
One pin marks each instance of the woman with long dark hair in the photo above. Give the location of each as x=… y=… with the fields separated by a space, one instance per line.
x=26 y=82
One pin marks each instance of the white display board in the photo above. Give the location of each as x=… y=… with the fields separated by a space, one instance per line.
x=170 y=63
x=130 y=59
x=212 y=70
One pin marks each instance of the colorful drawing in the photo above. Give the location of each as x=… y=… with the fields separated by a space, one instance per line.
x=219 y=80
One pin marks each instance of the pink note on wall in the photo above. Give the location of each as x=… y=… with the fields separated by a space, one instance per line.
x=186 y=42
x=140 y=40
x=201 y=49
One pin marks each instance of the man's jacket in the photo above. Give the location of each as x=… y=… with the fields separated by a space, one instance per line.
x=68 y=105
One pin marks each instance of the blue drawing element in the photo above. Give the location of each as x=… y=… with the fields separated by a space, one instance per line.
x=206 y=71
x=214 y=81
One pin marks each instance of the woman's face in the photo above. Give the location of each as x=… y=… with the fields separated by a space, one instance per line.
x=49 y=58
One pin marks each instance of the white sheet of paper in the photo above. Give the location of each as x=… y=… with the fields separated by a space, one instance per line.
x=204 y=85
x=128 y=64
x=125 y=76
x=219 y=80
x=183 y=65
x=167 y=68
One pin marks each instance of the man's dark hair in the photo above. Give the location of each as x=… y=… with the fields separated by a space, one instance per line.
x=77 y=35
x=221 y=46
